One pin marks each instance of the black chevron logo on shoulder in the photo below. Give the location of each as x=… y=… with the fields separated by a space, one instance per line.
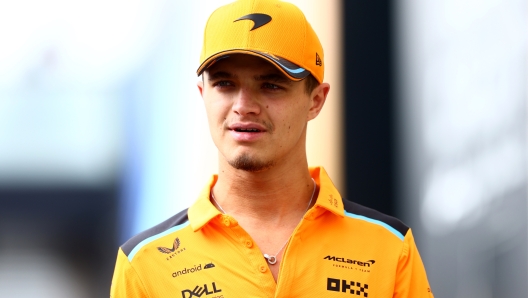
x=259 y=19
x=167 y=250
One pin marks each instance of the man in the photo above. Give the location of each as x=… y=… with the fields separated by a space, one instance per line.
x=267 y=225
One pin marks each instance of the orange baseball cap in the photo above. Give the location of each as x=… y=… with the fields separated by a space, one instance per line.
x=273 y=30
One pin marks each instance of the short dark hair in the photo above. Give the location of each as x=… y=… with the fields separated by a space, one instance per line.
x=310 y=83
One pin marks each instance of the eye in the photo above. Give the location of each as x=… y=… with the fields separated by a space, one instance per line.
x=271 y=86
x=222 y=84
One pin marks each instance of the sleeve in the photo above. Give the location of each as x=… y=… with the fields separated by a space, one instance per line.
x=411 y=279
x=126 y=283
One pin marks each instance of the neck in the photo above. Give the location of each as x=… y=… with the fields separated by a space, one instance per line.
x=277 y=195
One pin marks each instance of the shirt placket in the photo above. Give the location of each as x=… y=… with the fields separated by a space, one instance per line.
x=259 y=269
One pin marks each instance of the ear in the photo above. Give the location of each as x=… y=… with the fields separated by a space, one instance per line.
x=200 y=85
x=318 y=98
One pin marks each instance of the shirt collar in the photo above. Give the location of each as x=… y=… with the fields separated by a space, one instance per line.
x=328 y=197
x=203 y=211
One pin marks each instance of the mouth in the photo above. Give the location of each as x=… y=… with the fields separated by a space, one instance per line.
x=247 y=132
x=251 y=130
x=247 y=127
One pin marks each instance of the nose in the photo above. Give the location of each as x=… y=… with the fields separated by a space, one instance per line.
x=246 y=102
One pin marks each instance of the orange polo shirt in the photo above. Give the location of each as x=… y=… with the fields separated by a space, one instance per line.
x=339 y=249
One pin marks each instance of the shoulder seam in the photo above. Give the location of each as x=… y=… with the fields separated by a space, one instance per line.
x=172 y=224
x=392 y=224
x=155 y=237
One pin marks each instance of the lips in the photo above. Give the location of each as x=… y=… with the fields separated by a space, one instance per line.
x=247 y=127
x=246 y=132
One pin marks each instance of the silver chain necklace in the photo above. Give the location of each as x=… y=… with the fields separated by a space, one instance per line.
x=272 y=259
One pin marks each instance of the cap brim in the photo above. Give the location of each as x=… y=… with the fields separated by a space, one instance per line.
x=290 y=69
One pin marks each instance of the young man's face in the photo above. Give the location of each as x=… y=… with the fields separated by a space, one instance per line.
x=257 y=116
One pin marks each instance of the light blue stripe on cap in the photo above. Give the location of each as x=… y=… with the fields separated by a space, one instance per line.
x=152 y=238
x=376 y=222
x=298 y=70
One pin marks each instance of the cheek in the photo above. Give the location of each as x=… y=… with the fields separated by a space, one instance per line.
x=216 y=110
x=293 y=119
x=215 y=121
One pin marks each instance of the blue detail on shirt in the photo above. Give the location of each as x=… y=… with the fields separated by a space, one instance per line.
x=152 y=238
x=376 y=222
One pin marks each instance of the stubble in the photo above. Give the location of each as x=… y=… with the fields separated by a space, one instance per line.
x=246 y=163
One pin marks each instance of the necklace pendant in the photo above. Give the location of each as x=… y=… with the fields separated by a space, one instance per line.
x=271 y=259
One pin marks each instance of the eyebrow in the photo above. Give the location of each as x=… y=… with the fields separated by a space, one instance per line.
x=274 y=77
x=220 y=75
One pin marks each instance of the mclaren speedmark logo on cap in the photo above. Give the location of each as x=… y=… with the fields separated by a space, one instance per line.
x=259 y=19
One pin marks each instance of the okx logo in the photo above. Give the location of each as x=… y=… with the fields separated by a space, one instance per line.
x=198 y=291
x=341 y=285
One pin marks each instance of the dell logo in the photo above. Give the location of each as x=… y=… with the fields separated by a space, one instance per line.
x=198 y=291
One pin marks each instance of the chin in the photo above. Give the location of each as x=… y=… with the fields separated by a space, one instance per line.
x=247 y=163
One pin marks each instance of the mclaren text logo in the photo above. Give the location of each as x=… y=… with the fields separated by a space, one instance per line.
x=173 y=251
x=194 y=269
x=206 y=289
x=345 y=286
x=349 y=261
